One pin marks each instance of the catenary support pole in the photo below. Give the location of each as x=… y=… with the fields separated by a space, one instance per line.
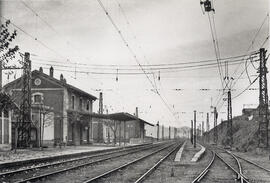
x=195 y=130
x=263 y=102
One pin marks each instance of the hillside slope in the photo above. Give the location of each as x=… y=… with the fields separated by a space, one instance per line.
x=244 y=132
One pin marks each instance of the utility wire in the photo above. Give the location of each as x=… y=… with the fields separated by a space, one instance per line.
x=246 y=88
x=34 y=12
x=215 y=32
x=134 y=36
x=132 y=52
x=48 y=25
x=124 y=40
x=128 y=72
x=267 y=38
x=143 y=65
x=33 y=37
x=235 y=81
x=135 y=69
x=216 y=52
x=252 y=43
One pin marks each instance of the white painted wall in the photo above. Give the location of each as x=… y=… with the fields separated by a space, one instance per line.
x=48 y=126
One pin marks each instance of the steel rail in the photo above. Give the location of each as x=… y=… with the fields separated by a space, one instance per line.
x=205 y=171
x=146 y=174
x=8 y=173
x=253 y=163
x=22 y=163
x=239 y=165
x=125 y=165
x=239 y=175
x=76 y=167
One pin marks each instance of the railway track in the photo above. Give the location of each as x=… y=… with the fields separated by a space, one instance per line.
x=29 y=167
x=136 y=170
x=220 y=156
x=90 y=171
x=254 y=171
x=205 y=170
x=35 y=162
x=245 y=170
x=42 y=171
x=155 y=166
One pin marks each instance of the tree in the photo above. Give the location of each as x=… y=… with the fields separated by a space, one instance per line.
x=113 y=125
x=7 y=53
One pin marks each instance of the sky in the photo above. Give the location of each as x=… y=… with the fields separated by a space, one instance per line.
x=158 y=32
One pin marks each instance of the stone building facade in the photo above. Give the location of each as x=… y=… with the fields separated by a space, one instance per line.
x=62 y=110
x=7 y=107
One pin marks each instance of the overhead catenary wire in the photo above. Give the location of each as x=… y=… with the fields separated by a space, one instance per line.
x=246 y=66
x=128 y=72
x=33 y=37
x=246 y=88
x=54 y=30
x=265 y=41
x=134 y=69
x=132 y=53
x=216 y=51
x=250 y=46
x=135 y=37
x=215 y=33
x=53 y=60
x=123 y=39
x=49 y=25
x=244 y=70
x=37 y=14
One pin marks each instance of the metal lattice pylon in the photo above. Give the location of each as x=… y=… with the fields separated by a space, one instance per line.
x=263 y=102
x=24 y=124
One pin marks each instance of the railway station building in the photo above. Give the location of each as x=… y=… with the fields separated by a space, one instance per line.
x=60 y=111
x=120 y=128
x=63 y=115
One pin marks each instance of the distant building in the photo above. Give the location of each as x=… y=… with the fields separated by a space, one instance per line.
x=61 y=112
x=250 y=111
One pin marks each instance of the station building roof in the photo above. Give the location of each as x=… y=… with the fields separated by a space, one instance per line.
x=121 y=116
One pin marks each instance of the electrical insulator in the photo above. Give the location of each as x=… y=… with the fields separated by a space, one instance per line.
x=159 y=75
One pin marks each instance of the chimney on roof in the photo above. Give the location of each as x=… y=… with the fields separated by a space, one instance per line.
x=41 y=69
x=51 y=71
x=100 y=103
x=61 y=77
x=136 y=112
